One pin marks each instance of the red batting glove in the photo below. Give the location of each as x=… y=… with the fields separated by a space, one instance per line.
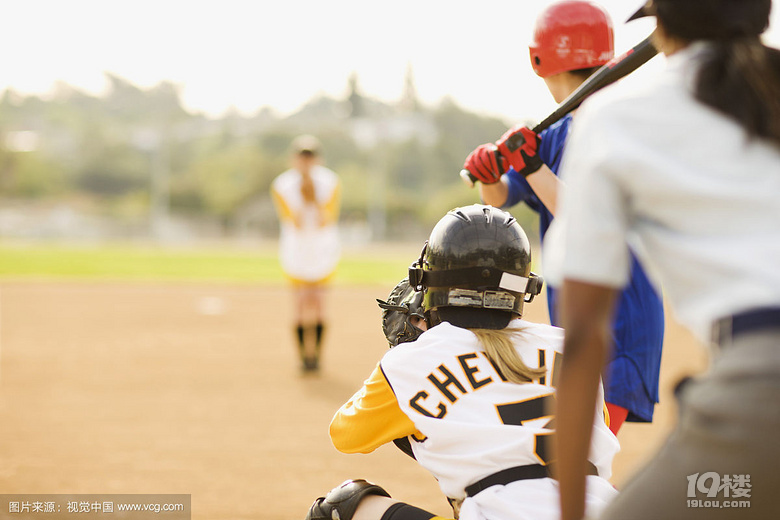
x=519 y=145
x=486 y=164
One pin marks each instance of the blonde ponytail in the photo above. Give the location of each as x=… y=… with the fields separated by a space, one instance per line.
x=500 y=349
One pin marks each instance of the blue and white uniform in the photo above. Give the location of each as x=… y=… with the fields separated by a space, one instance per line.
x=631 y=380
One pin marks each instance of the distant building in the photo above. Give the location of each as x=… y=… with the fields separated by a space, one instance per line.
x=355 y=100
x=409 y=101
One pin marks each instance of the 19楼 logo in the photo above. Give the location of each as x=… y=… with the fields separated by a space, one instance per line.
x=722 y=491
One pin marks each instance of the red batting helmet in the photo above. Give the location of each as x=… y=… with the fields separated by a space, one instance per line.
x=571 y=35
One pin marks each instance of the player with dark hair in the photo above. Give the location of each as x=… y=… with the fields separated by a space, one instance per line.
x=470 y=395
x=571 y=40
x=687 y=167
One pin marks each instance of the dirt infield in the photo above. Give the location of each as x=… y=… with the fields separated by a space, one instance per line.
x=180 y=388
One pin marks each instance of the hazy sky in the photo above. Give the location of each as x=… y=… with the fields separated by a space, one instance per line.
x=278 y=53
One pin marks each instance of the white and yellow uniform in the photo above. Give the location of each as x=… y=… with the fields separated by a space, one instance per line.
x=466 y=422
x=309 y=246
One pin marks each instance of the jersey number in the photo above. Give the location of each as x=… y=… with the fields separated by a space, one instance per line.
x=531 y=409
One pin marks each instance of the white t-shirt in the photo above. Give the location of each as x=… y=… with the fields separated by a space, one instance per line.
x=697 y=199
x=473 y=424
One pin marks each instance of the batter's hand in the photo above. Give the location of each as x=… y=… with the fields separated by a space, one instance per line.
x=520 y=145
x=486 y=164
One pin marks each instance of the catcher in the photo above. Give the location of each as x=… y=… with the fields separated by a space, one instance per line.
x=467 y=384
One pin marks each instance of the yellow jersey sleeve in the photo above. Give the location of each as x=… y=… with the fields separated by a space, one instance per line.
x=332 y=206
x=370 y=418
x=282 y=208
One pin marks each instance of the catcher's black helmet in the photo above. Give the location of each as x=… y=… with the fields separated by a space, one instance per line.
x=475 y=269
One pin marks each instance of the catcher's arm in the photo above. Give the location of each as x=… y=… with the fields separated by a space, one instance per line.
x=403 y=320
x=371 y=418
x=402 y=314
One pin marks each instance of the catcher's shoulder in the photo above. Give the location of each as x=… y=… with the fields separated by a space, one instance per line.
x=538 y=329
x=434 y=338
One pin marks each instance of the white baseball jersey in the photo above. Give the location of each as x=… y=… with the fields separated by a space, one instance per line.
x=309 y=247
x=467 y=422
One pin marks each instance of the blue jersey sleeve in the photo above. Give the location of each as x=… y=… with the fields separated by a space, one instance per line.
x=520 y=191
x=550 y=151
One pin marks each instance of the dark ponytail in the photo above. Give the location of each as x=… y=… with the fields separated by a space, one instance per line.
x=741 y=79
x=739 y=76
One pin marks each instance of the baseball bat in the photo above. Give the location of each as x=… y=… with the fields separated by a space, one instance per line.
x=616 y=68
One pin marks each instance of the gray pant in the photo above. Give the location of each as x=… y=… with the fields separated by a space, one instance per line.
x=729 y=426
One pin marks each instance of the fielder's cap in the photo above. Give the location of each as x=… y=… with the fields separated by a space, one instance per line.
x=306 y=144
x=646 y=10
x=710 y=20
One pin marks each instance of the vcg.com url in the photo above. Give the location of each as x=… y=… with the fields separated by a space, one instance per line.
x=154 y=508
x=718 y=504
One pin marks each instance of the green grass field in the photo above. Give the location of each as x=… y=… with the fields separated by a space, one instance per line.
x=382 y=265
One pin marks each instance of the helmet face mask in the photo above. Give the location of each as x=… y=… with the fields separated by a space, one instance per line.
x=416 y=270
x=474 y=268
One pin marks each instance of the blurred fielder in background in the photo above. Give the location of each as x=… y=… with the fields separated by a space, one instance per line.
x=687 y=166
x=572 y=39
x=307 y=198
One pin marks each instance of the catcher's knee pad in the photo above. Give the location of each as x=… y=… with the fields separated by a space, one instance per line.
x=341 y=502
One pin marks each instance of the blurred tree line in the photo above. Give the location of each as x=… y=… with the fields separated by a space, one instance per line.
x=399 y=162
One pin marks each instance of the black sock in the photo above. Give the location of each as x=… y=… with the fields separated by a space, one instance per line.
x=311 y=361
x=300 y=334
x=319 y=330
